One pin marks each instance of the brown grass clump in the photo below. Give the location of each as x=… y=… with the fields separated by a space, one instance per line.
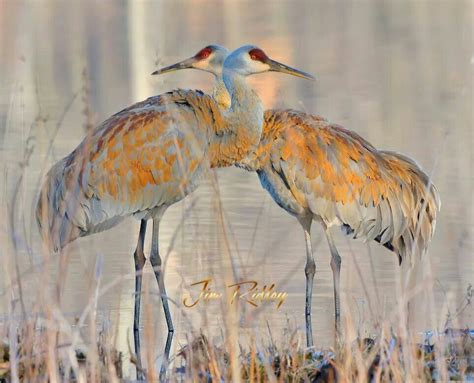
x=32 y=360
x=379 y=359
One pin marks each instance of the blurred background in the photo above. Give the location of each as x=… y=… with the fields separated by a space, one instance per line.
x=399 y=73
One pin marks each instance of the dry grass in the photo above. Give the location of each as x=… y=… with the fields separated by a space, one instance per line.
x=370 y=359
x=380 y=359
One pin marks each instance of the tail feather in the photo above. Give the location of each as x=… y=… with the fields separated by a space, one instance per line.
x=421 y=202
x=54 y=223
x=405 y=220
x=66 y=211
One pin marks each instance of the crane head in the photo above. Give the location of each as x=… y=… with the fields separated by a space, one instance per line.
x=250 y=59
x=209 y=59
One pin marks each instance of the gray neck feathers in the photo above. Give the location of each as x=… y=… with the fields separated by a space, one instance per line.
x=246 y=109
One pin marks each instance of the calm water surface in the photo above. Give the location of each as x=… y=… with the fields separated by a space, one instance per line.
x=399 y=74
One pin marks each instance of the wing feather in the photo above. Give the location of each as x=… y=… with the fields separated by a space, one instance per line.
x=336 y=175
x=147 y=155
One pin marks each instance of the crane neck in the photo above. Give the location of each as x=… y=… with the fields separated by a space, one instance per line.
x=243 y=99
x=245 y=105
x=220 y=93
x=240 y=135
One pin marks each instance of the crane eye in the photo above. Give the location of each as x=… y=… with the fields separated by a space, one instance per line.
x=204 y=53
x=258 y=55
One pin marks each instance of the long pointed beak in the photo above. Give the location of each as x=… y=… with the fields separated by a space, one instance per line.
x=185 y=64
x=275 y=66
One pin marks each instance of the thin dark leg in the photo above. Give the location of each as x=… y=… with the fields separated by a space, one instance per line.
x=140 y=259
x=309 y=270
x=336 y=274
x=156 y=263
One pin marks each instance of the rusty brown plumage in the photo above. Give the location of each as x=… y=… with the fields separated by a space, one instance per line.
x=314 y=167
x=149 y=154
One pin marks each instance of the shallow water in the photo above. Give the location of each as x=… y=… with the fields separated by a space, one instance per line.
x=399 y=74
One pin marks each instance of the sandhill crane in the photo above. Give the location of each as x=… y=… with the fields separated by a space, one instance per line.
x=151 y=155
x=317 y=170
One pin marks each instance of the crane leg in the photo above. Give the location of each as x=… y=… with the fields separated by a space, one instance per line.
x=310 y=270
x=336 y=274
x=140 y=260
x=410 y=273
x=156 y=263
